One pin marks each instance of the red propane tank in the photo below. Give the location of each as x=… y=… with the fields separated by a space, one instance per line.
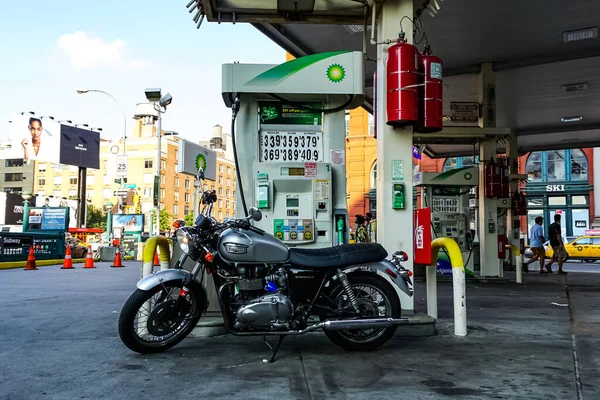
x=492 y=179
x=402 y=83
x=430 y=92
x=504 y=186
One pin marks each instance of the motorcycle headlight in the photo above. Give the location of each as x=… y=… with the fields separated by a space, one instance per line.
x=183 y=239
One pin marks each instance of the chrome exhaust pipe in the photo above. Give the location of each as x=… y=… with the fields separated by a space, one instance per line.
x=371 y=323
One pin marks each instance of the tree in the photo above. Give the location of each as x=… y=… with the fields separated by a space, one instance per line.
x=165 y=220
x=189 y=220
x=96 y=218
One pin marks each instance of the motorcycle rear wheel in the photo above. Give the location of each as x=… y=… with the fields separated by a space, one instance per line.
x=367 y=339
x=149 y=323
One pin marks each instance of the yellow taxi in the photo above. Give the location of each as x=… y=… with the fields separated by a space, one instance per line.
x=586 y=248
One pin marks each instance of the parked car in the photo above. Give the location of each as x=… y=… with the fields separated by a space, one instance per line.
x=584 y=248
x=549 y=252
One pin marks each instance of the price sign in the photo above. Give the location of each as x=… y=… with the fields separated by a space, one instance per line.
x=291 y=146
x=122 y=166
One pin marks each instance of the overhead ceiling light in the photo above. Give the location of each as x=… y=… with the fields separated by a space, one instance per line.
x=571 y=119
x=356 y=28
x=574 y=87
x=580 y=34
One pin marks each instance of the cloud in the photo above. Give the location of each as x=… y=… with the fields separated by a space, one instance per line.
x=87 y=51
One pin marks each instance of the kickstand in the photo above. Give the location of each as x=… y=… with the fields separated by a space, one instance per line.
x=274 y=350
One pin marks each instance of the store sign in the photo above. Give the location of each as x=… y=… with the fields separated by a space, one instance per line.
x=555 y=188
x=592 y=232
x=581 y=224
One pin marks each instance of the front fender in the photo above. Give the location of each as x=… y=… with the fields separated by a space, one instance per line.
x=399 y=283
x=169 y=275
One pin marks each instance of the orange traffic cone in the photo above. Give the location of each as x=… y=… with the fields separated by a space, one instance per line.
x=117 y=261
x=68 y=263
x=89 y=261
x=30 y=266
x=156 y=261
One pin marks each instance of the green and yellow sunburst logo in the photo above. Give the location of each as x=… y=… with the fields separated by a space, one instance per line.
x=200 y=161
x=336 y=73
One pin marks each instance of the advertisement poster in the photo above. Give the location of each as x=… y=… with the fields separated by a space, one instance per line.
x=50 y=218
x=276 y=113
x=130 y=222
x=43 y=202
x=14 y=209
x=79 y=147
x=35 y=138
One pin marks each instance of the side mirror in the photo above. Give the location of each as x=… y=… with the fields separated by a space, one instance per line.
x=200 y=174
x=255 y=214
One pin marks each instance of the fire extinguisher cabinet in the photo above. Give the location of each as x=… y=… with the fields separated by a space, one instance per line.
x=430 y=93
x=402 y=84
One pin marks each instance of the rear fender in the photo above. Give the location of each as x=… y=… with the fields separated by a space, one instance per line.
x=399 y=283
x=169 y=275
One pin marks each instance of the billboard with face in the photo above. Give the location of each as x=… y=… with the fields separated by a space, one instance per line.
x=130 y=222
x=35 y=138
x=79 y=147
x=44 y=202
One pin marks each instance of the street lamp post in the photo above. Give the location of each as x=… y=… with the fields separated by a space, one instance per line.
x=108 y=206
x=81 y=91
x=160 y=103
x=26 y=197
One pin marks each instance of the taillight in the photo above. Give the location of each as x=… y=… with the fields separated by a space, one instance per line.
x=391 y=273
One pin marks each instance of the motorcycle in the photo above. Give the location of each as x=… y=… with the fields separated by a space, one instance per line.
x=351 y=292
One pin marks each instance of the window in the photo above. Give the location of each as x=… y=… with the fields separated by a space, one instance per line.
x=176 y=182
x=162 y=179
x=14 y=189
x=58 y=180
x=579 y=200
x=162 y=193
x=13 y=177
x=557 y=201
x=73 y=168
x=220 y=203
x=220 y=214
x=371 y=124
x=187 y=183
x=161 y=206
x=90 y=180
x=234 y=183
x=228 y=170
x=41 y=181
x=42 y=167
x=72 y=181
x=234 y=194
x=552 y=166
x=220 y=180
x=227 y=204
x=176 y=196
x=147 y=192
x=227 y=193
x=583 y=241
x=105 y=164
x=221 y=168
x=148 y=163
x=107 y=193
x=227 y=214
x=187 y=197
x=228 y=182
x=579 y=165
x=148 y=178
x=72 y=193
x=459 y=162
x=373 y=179
x=13 y=162
x=220 y=191
x=175 y=209
x=556 y=165
x=89 y=194
x=596 y=241
x=163 y=164
x=186 y=210
x=107 y=180
x=211 y=188
x=58 y=193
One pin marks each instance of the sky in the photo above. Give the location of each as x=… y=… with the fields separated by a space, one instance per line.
x=49 y=49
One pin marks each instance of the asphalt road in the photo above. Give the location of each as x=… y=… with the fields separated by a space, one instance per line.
x=58 y=340
x=572 y=266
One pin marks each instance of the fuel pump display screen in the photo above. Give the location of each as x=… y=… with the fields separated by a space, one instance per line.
x=445 y=205
x=292 y=202
x=291 y=146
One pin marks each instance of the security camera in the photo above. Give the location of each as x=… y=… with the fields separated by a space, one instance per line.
x=166 y=100
x=153 y=94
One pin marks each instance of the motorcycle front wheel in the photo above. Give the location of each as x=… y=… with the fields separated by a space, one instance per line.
x=155 y=320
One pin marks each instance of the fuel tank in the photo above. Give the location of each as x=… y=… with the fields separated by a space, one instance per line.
x=248 y=247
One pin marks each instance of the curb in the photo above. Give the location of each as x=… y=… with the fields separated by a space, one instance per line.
x=39 y=263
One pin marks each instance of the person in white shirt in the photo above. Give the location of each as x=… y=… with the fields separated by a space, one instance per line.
x=34 y=148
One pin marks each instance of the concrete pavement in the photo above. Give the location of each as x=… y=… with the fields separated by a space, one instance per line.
x=58 y=340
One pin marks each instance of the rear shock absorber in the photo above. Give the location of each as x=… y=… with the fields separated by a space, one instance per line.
x=348 y=289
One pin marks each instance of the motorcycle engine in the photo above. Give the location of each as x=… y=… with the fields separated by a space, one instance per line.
x=260 y=309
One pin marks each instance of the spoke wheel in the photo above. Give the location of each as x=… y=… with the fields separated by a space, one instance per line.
x=376 y=299
x=153 y=321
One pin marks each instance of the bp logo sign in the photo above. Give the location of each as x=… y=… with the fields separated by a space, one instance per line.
x=336 y=73
x=468 y=175
x=201 y=161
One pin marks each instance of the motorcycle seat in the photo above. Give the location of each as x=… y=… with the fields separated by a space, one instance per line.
x=337 y=256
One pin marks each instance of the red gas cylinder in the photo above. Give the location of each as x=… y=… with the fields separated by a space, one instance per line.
x=430 y=93
x=504 y=182
x=492 y=179
x=402 y=83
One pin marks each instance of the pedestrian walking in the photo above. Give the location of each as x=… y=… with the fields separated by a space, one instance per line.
x=558 y=246
x=536 y=241
x=362 y=235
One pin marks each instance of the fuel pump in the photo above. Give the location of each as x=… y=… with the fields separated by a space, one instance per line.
x=447 y=194
x=291 y=137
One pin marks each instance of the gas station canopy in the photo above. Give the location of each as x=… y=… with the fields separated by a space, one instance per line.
x=546 y=56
